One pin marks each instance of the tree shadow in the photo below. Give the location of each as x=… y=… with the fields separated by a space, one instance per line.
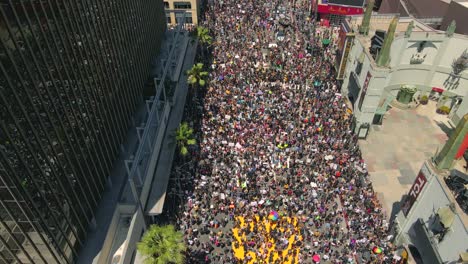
x=448 y=130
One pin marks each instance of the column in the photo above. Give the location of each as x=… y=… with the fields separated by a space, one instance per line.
x=446 y=156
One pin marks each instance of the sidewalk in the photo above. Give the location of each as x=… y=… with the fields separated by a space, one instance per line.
x=155 y=203
x=91 y=251
x=395 y=151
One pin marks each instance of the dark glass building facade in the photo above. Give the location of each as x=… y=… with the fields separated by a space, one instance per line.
x=71 y=77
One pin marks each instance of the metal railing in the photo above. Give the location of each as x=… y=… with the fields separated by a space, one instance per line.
x=430 y=20
x=149 y=133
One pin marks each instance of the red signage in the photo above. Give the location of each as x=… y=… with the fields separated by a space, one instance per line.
x=339 y=10
x=364 y=90
x=344 y=58
x=463 y=147
x=342 y=38
x=414 y=192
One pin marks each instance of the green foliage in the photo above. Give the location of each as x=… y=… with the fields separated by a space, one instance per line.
x=424 y=99
x=184 y=137
x=204 y=36
x=383 y=59
x=24 y=183
x=196 y=75
x=445 y=110
x=162 y=245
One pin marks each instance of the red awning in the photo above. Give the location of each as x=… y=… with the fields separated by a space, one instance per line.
x=438 y=90
x=340 y=10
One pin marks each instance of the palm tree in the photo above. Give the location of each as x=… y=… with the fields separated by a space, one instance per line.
x=196 y=76
x=204 y=38
x=162 y=245
x=184 y=138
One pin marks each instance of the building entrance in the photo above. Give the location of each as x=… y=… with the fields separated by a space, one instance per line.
x=353 y=88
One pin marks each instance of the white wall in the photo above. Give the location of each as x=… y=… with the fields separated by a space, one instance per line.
x=462 y=110
x=411 y=47
x=455 y=48
x=412 y=76
x=438 y=79
x=433 y=72
x=395 y=51
x=429 y=201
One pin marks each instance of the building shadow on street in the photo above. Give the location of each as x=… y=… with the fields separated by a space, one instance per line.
x=448 y=130
x=396 y=207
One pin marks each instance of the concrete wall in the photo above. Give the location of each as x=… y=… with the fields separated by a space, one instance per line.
x=137 y=227
x=440 y=52
x=432 y=197
x=455 y=47
x=461 y=111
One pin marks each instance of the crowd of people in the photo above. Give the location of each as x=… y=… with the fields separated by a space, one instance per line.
x=275 y=136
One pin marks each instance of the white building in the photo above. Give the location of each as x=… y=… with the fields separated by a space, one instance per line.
x=431 y=222
x=422 y=59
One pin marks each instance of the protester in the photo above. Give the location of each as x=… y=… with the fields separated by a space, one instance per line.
x=272 y=141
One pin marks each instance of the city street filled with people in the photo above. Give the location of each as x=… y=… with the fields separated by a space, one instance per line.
x=279 y=176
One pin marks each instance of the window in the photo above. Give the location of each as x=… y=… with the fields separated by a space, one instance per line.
x=188 y=18
x=359 y=61
x=168 y=19
x=178 y=17
x=182 y=5
x=358 y=68
x=166 y=4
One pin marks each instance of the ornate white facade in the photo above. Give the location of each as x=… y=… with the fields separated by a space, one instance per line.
x=422 y=58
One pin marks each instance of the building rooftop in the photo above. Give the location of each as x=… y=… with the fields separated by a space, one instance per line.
x=450 y=195
x=393 y=6
x=382 y=21
x=464 y=3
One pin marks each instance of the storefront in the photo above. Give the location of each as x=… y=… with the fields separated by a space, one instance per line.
x=334 y=11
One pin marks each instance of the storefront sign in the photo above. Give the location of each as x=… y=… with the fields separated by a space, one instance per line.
x=358 y=3
x=341 y=42
x=364 y=90
x=340 y=10
x=344 y=59
x=342 y=36
x=414 y=192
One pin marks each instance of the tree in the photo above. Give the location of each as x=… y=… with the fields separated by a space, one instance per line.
x=162 y=245
x=204 y=38
x=184 y=138
x=196 y=76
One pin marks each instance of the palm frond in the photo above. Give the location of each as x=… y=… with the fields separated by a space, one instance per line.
x=183 y=150
x=162 y=245
x=192 y=79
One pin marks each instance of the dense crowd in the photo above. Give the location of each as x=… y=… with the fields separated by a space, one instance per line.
x=276 y=136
